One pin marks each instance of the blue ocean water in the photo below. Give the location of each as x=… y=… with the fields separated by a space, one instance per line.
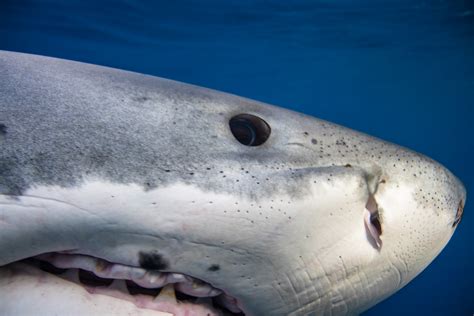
x=400 y=70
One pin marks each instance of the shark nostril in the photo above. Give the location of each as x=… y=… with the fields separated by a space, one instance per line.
x=459 y=213
x=372 y=222
x=375 y=222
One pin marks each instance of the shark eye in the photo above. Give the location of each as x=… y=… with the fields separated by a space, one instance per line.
x=372 y=221
x=249 y=130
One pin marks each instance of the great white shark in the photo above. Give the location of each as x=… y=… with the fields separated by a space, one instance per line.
x=127 y=194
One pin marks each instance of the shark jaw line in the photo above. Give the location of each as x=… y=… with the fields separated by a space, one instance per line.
x=166 y=292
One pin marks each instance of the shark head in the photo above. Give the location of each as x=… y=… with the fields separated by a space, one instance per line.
x=126 y=193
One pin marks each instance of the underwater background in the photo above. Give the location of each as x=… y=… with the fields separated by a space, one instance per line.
x=399 y=70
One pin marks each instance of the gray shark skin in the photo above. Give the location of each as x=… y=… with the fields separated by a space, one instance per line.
x=146 y=172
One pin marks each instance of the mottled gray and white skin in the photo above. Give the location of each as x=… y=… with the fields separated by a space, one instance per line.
x=116 y=165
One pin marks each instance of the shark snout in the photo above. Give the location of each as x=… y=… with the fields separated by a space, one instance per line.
x=454 y=193
x=434 y=190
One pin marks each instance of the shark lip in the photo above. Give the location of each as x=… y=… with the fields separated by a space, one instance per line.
x=173 y=293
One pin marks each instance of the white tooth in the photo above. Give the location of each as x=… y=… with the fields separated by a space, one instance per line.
x=71 y=275
x=118 y=285
x=213 y=292
x=117 y=271
x=136 y=273
x=151 y=280
x=100 y=266
x=153 y=277
x=167 y=294
x=198 y=289
x=175 y=278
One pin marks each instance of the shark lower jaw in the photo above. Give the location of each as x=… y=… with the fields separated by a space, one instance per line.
x=92 y=286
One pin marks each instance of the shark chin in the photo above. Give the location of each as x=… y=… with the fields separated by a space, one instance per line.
x=127 y=194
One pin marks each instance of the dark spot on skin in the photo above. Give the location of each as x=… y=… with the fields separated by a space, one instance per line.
x=214 y=267
x=383 y=181
x=3 y=129
x=348 y=165
x=306 y=133
x=149 y=186
x=152 y=261
x=314 y=141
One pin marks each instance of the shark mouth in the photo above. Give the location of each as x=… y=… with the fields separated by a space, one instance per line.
x=168 y=293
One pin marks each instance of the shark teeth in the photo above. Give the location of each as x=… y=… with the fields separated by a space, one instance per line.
x=147 y=288
x=142 y=277
x=167 y=295
x=118 y=285
x=197 y=288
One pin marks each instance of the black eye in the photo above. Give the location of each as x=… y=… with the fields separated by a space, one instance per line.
x=249 y=130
